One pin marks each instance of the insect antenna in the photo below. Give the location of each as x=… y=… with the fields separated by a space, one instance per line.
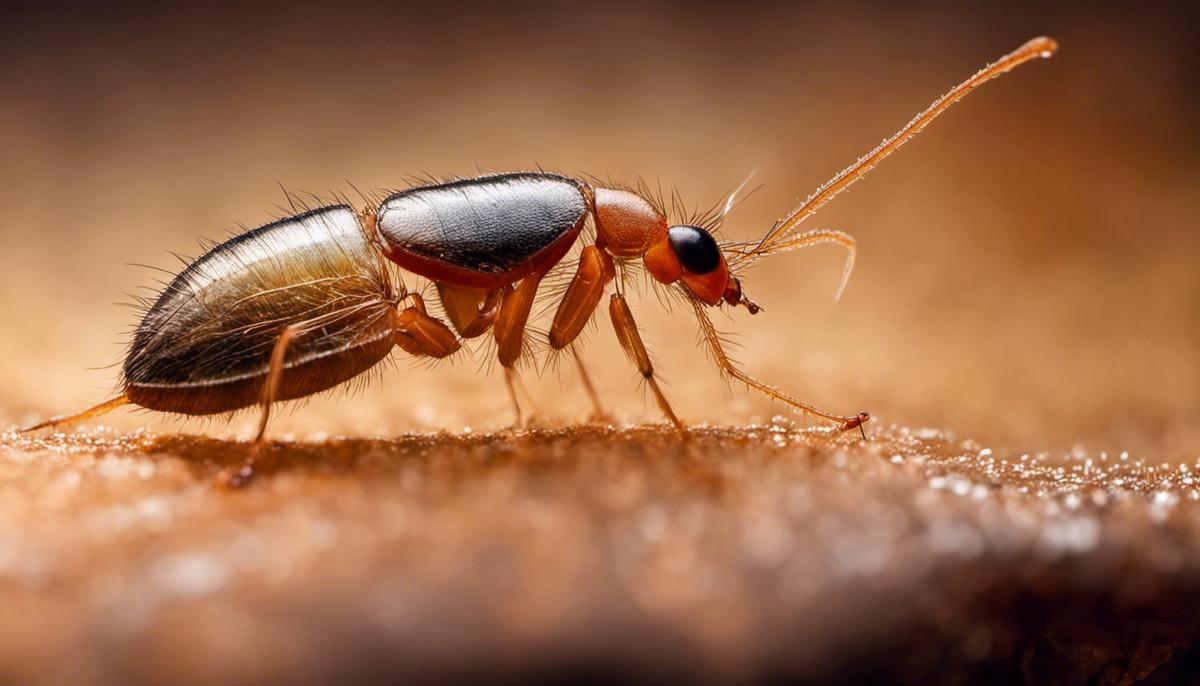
x=773 y=240
x=806 y=239
x=732 y=201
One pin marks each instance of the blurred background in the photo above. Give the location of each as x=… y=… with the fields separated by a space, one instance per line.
x=1027 y=272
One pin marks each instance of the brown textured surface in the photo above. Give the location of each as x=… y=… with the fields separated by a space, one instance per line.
x=1026 y=281
x=764 y=550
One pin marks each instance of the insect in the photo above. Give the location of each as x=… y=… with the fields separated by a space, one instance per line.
x=309 y=302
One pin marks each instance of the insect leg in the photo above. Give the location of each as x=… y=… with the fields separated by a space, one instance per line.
x=509 y=327
x=510 y=382
x=598 y=412
x=274 y=375
x=845 y=423
x=270 y=390
x=103 y=408
x=631 y=342
x=470 y=311
x=592 y=276
x=509 y=330
x=419 y=334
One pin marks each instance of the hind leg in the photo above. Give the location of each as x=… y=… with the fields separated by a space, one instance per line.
x=270 y=391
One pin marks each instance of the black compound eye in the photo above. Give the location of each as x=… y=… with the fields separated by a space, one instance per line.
x=696 y=248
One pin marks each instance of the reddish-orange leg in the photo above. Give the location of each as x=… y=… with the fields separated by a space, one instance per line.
x=415 y=331
x=509 y=331
x=592 y=276
x=241 y=476
x=631 y=342
x=471 y=312
x=420 y=334
x=845 y=423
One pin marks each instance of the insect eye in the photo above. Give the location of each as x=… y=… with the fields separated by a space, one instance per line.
x=696 y=248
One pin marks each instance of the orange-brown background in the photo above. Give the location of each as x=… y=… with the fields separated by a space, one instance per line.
x=1027 y=273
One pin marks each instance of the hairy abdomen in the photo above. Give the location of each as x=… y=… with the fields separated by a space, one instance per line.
x=205 y=345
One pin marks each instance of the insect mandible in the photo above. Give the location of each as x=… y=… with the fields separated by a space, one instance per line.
x=307 y=303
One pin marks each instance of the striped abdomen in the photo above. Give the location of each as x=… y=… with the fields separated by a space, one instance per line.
x=205 y=345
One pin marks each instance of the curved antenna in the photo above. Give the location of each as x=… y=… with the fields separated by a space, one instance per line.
x=732 y=200
x=1038 y=47
x=817 y=237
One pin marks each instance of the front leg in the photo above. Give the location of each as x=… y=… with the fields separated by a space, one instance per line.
x=631 y=341
x=844 y=422
x=592 y=276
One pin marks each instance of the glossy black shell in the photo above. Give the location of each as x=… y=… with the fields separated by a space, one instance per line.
x=492 y=224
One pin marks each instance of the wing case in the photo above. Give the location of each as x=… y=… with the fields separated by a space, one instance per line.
x=485 y=232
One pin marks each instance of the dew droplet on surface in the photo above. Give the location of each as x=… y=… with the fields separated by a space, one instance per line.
x=1165 y=499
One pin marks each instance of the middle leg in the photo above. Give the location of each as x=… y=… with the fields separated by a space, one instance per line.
x=509 y=330
x=470 y=311
x=592 y=276
x=598 y=413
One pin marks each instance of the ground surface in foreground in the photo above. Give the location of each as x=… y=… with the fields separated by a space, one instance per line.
x=759 y=551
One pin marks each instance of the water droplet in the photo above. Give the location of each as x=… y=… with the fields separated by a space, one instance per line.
x=1165 y=499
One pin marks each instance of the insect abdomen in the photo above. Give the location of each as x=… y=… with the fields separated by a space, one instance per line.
x=205 y=346
x=485 y=232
